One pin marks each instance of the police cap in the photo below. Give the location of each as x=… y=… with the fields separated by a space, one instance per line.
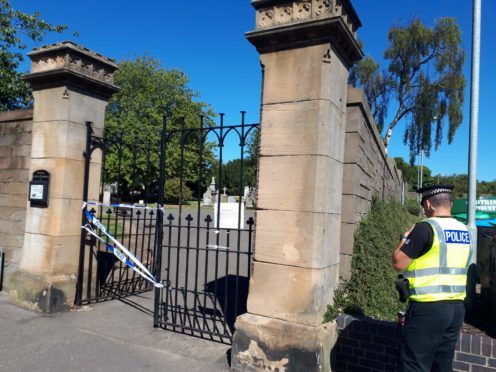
x=431 y=190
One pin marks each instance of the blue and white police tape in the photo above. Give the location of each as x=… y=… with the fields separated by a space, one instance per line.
x=121 y=252
x=122 y=257
x=116 y=205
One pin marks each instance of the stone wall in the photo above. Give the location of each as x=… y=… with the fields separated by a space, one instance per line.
x=367 y=172
x=372 y=345
x=15 y=150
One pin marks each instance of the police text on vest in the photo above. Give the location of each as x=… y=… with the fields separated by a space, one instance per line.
x=457 y=236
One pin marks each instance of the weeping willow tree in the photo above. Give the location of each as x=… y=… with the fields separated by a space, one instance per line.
x=422 y=84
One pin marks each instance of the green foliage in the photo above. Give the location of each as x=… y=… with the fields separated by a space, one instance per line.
x=370 y=289
x=460 y=181
x=231 y=175
x=253 y=144
x=424 y=77
x=14 y=27
x=173 y=190
x=485 y=188
x=411 y=173
x=376 y=85
x=413 y=206
x=136 y=115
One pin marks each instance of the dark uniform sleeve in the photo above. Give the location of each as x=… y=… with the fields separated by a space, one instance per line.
x=419 y=241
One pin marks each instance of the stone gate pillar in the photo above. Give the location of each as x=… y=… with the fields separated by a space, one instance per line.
x=71 y=86
x=307 y=48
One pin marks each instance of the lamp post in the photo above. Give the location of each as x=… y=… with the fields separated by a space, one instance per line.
x=474 y=123
x=472 y=155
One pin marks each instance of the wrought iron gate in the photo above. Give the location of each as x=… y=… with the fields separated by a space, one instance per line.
x=207 y=249
x=199 y=246
x=102 y=276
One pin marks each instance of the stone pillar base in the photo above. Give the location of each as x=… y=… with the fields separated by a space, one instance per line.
x=267 y=344
x=48 y=294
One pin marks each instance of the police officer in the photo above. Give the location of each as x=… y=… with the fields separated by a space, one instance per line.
x=434 y=255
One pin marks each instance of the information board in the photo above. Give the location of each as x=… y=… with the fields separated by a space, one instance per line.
x=229 y=215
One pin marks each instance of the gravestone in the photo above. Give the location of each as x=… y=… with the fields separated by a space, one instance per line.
x=250 y=198
x=207 y=198
x=223 y=197
x=106 y=194
x=210 y=195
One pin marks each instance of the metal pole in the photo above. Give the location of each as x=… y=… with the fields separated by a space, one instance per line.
x=473 y=271
x=474 y=123
x=87 y=159
x=159 y=226
x=418 y=172
x=421 y=168
x=418 y=178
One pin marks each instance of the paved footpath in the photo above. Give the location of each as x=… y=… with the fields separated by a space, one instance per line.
x=111 y=336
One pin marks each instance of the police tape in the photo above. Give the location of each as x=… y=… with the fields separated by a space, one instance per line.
x=116 y=205
x=121 y=252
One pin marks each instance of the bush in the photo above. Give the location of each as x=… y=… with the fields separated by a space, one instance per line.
x=413 y=206
x=172 y=191
x=370 y=290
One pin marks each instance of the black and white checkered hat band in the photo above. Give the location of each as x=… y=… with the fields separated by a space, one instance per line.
x=432 y=192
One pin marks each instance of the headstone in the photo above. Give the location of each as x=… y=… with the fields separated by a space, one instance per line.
x=207 y=198
x=250 y=201
x=113 y=188
x=246 y=192
x=106 y=197
x=215 y=196
x=231 y=199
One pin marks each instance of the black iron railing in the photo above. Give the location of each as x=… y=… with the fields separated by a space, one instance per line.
x=203 y=261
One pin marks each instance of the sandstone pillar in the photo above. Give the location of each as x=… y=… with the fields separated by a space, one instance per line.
x=307 y=48
x=71 y=86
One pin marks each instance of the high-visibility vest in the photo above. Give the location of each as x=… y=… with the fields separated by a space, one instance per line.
x=441 y=273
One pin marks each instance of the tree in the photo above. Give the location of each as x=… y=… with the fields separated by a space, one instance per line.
x=487 y=188
x=411 y=173
x=232 y=175
x=14 y=27
x=424 y=77
x=253 y=144
x=135 y=115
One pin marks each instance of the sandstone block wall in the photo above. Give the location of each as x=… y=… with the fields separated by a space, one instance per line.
x=15 y=151
x=367 y=171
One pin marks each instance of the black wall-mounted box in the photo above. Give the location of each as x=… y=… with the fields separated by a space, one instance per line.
x=39 y=189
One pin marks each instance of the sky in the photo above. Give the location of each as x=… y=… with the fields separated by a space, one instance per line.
x=205 y=39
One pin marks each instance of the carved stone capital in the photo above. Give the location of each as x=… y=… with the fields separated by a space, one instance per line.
x=272 y=13
x=283 y=24
x=67 y=63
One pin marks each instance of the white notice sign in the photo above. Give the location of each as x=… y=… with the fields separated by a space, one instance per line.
x=36 y=192
x=229 y=216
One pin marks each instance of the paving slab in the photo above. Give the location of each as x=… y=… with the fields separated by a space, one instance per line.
x=111 y=336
